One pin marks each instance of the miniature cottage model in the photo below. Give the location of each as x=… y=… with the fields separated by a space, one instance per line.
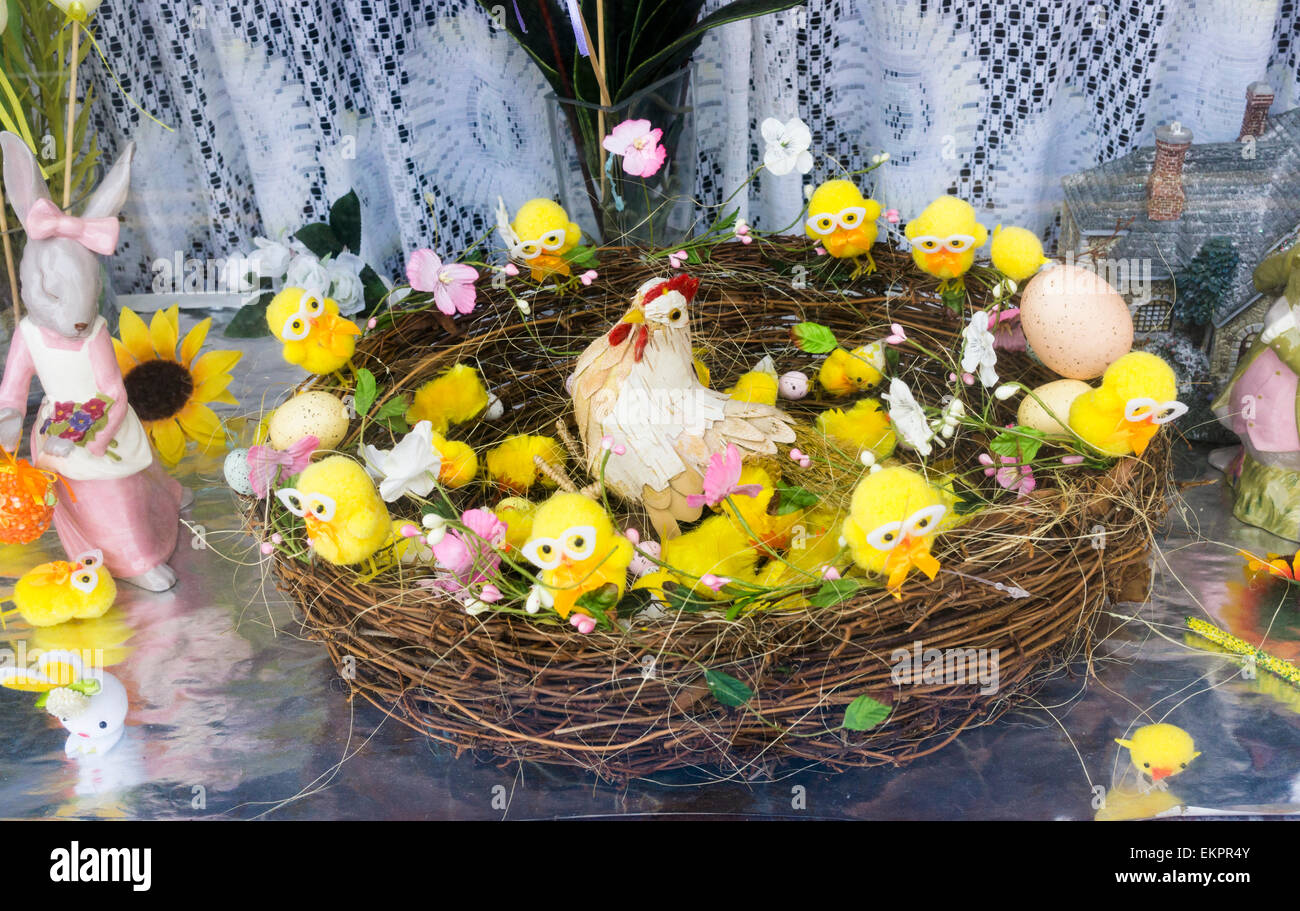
x=1162 y=203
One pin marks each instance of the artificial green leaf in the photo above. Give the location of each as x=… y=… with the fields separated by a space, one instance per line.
x=374 y=290
x=320 y=239
x=1020 y=443
x=366 y=392
x=345 y=221
x=394 y=407
x=599 y=603
x=727 y=689
x=865 y=713
x=794 y=498
x=582 y=258
x=250 y=321
x=814 y=338
x=833 y=591
x=955 y=299
x=679 y=50
x=682 y=598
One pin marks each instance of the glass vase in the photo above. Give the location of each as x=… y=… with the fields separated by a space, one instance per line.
x=653 y=211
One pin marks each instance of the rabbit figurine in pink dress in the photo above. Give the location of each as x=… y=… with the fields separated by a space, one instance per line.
x=114 y=496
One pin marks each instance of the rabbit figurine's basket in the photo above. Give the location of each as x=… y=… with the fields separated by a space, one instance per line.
x=732 y=695
x=26 y=500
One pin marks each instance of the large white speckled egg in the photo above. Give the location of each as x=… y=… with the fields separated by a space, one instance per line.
x=317 y=414
x=1075 y=322
x=236 y=472
x=1057 y=397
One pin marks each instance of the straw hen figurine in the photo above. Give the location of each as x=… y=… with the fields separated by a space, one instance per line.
x=636 y=388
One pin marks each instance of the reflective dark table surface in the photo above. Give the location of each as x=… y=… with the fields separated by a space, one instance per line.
x=235 y=714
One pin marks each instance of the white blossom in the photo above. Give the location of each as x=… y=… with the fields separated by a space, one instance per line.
x=787 y=146
x=909 y=418
x=409 y=468
x=979 y=356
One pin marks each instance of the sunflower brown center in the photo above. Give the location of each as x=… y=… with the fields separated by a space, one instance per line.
x=158 y=389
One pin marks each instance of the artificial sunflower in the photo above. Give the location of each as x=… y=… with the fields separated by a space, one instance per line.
x=171 y=391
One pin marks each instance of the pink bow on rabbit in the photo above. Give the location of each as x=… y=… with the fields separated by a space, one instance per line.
x=125 y=504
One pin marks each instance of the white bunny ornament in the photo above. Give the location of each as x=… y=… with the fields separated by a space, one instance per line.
x=117 y=497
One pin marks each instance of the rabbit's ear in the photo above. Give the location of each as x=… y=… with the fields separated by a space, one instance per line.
x=23 y=182
x=109 y=196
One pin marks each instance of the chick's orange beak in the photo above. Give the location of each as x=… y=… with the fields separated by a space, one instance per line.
x=1140 y=434
x=1160 y=772
x=910 y=553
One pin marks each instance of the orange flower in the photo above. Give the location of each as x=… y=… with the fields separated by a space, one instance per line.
x=1273 y=564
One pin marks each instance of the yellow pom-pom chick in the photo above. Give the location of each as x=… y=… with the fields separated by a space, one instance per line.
x=63 y=590
x=713 y=551
x=1160 y=751
x=893 y=518
x=574 y=544
x=864 y=427
x=751 y=515
x=511 y=464
x=1137 y=396
x=518 y=515
x=346 y=520
x=848 y=372
x=1016 y=252
x=544 y=233
x=315 y=337
x=459 y=463
x=808 y=559
x=452 y=398
x=758 y=385
x=843 y=221
x=944 y=238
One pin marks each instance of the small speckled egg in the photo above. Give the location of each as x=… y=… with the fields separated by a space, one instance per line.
x=236 y=472
x=1075 y=322
x=1057 y=396
x=317 y=414
x=793 y=385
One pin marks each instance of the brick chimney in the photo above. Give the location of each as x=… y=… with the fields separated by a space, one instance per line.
x=1165 y=185
x=1259 y=96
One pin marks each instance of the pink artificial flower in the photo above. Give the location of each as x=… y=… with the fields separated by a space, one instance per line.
x=465 y=558
x=819 y=250
x=1007 y=333
x=896 y=335
x=891 y=216
x=643 y=156
x=720 y=480
x=830 y=573
x=717 y=583
x=582 y=623
x=489 y=594
x=452 y=285
x=968 y=379
x=588 y=277
x=1010 y=476
x=1072 y=460
x=511 y=269
x=742 y=232
x=678 y=259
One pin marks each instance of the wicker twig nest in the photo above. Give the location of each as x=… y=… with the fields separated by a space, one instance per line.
x=634 y=703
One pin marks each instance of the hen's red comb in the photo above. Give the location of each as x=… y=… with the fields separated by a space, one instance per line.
x=685 y=284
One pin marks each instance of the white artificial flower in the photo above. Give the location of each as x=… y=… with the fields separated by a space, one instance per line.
x=345 y=283
x=474 y=607
x=908 y=418
x=409 y=468
x=495 y=408
x=4 y=17
x=87 y=6
x=979 y=355
x=306 y=271
x=1005 y=391
x=787 y=146
x=271 y=258
x=436 y=526
x=538 y=597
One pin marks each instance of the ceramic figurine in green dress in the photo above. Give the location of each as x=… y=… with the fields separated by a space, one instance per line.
x=1261 y=406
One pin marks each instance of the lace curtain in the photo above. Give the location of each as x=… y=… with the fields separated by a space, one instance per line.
x=430 y=111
